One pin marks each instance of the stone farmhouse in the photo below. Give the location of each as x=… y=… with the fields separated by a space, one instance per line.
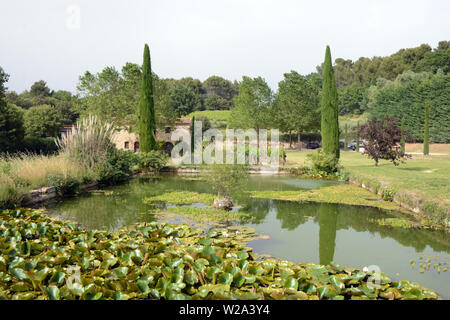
x=126 y=140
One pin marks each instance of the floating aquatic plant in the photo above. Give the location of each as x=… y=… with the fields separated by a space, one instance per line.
x=182 y=197
x=44 y=258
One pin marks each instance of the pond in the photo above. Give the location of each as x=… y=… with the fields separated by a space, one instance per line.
x=299 y=232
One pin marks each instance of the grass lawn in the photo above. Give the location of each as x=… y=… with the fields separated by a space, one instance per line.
x=217 y=115
x=427 y=177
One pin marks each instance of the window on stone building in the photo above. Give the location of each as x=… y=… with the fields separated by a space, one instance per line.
x=126 y=145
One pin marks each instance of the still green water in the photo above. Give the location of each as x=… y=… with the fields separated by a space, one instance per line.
x=300 y=232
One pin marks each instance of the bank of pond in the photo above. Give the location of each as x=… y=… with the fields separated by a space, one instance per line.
x=162 y=239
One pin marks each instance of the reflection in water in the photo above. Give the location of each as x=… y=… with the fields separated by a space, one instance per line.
x=302 y=232
x=327 y=231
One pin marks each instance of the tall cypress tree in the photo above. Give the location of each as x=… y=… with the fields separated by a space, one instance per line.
x=192 y=136
x=147 y=125
x=402 y=140
x=346 y=137
x=329 y=108
x=357 y=137
x=426 y=130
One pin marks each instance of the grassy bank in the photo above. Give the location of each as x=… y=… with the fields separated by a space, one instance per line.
x=22 y=173
x=166 y=261
x=422 y=182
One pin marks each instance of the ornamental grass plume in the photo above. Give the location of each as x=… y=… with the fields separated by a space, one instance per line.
x=88 y=141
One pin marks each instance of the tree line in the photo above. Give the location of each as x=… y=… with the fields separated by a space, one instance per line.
x=355 y=78
x=399 y=84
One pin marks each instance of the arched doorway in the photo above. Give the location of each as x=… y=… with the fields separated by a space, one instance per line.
x=136 y=146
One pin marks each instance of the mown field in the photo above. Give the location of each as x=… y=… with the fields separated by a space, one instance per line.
x=427 y=177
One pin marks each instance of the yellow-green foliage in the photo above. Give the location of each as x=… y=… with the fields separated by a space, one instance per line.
x=343 y=193
x=182 y=197
x=207 y=215
x=395 y=223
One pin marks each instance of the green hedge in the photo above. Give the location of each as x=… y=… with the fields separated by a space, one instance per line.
x=407 y=97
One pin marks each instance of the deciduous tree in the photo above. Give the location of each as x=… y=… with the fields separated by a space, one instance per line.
x=381 y=140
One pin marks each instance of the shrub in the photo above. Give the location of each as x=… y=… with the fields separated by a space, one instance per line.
x=152 y=160
x=117 y=167
x=160 y=144
x=324 y=163
x=206 y=124
x=226 y=179
x=388 y=194
x=39 y=145
x=64 y=184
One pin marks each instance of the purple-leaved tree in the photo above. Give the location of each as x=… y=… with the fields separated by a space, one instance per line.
x=381 y=140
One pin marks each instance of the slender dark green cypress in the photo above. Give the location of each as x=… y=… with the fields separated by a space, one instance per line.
x=357 y=137
x=402 y=140
x=192 y=136
x=147 y=125
x=426 y=131
x=346 y=138
x=329 y=108
x=328 y=214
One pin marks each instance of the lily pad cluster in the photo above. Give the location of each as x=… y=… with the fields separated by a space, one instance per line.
x=44 y=258
x=426 y=265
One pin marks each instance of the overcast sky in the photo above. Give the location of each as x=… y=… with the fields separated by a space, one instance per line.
x=59 y=40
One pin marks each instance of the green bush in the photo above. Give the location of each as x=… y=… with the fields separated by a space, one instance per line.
x=227 y=179
x=160 y=144
x=39 y=145
x=152 y=160
x=388 y=194
x=118 y=167
x=324 y=163
x=65 y=185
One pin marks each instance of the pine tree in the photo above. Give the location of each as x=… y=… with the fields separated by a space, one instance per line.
x=147 y=126
x=329 y=109
x=426 y=131
x=402 y=141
